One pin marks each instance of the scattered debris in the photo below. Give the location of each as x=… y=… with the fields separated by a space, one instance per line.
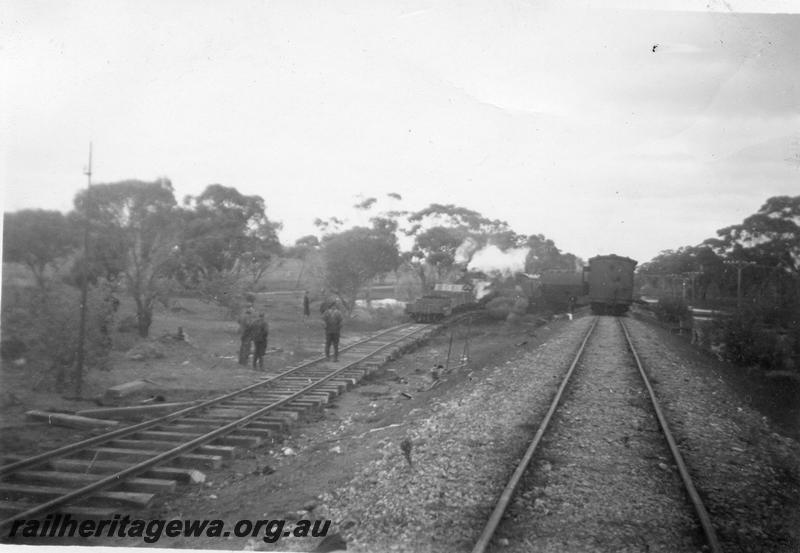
x=136 y=410
x=406 y=394
x=288 y=451
x=347 y=524
x=143 y=352
x=153 y=399
x=378 y=429
x=196 y=477
x=70 y=421
x=310 y=506
x=266 y=469
x=126 y=389
x=333 y=542
x=405 y=447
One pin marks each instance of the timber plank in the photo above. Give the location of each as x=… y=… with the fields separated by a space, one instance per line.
x=74 y=479
x=12 y=491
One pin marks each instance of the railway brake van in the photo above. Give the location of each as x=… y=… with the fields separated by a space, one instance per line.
x=610 y=279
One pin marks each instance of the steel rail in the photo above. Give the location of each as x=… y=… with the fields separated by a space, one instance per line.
x=511 y=486
x=117 y=478
x=697 y=502
x=108 y=436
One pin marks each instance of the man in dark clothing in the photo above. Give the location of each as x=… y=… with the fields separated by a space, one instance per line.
x=260 y=335
x=306 y=306
x=333 y=328
x=246 y=333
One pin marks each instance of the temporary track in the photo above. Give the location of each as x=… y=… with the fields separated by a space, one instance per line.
x=129 y=466
x=510 y=490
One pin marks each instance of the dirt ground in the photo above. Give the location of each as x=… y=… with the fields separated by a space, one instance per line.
x=328 y=449
x=204 y=366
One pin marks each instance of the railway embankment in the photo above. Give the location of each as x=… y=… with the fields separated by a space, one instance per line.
x=463 y=448
x=467 y=445
x=747 y=470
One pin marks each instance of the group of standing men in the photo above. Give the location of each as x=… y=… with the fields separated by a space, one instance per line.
x=254 y=330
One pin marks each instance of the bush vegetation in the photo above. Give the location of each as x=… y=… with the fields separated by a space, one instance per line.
x=751 y=342
x=43 y=326
x=672 y=310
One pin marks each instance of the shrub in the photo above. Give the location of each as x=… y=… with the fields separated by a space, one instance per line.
x=47 y=323
x=672 y=310
x=128 y=323
x=750 y=342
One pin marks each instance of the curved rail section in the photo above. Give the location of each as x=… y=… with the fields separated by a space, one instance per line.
x=508 y=493
x=125 y=466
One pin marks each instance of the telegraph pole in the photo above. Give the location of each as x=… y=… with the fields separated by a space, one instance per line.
x=694 y=275
x=739 y=266
x=80 y=354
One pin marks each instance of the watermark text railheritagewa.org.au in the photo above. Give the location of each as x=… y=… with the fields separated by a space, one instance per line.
x=60 y=526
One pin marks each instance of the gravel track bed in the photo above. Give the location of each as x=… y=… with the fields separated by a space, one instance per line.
x=462 y=455
x=747 y=474
x=602 y=479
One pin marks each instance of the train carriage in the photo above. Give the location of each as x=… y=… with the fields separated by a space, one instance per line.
x=610 y=279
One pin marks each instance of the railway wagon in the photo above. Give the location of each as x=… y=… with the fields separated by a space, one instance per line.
x=610 y=281
x=558 y=286
x=445 y=300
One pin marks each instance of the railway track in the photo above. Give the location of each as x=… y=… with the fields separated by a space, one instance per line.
x=623 y=498
x=127 y=467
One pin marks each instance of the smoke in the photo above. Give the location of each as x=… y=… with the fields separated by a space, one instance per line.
x=465 y=250
x=493 y=261
x=482 y=287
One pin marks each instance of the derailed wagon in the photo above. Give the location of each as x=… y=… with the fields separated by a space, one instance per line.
x=445 y=300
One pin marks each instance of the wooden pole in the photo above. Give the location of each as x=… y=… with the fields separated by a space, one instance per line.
x=80 y=354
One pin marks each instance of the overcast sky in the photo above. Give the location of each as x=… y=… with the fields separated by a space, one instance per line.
x=620 y=130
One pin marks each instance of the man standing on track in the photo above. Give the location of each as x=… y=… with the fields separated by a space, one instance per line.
x=245 y=329
x=306 y=306
x=333 y=328
x=260 y=335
